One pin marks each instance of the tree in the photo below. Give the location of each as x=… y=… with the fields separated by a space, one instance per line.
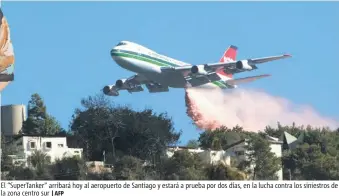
x=36 y=115
x=38 y=120
x=36 y=107
x=96 y=126
x=221 y=171
x=316 y=156
x=102 y=127
x=129 y=168
x=100 y=176
x=69 y=168
x=220 y=138
x=145 y=135
x=39 y=159
x=183 y=165
x=52 y=126
x=40 y=162
x=290 y=167
x=21 y=173
x=308 y=162
x=136 y=143
x=259 y=156
x=192 y=144
x=7 y=148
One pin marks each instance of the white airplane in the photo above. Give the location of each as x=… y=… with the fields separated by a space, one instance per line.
x=158 y=72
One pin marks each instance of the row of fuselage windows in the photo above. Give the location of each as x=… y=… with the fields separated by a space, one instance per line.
x=164 y=58
x=156 y=55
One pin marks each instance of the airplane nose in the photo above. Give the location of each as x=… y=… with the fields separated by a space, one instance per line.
x=114 y=53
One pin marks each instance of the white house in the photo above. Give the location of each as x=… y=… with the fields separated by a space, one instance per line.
x=54 y=146
x=207 y=156
x=237 y=151
x=234 y=151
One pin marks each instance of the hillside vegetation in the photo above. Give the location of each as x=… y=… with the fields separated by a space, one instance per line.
x=135 y=142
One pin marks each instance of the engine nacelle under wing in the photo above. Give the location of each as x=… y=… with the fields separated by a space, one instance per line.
x=199 y=70
x=110 y=90
x=244 y=65
x=156 y=88
x=121 y=84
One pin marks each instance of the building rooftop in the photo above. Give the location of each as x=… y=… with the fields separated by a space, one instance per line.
x=37 y=135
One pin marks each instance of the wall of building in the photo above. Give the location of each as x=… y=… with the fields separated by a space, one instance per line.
x=207 y=156
x=12 y=117
x=54 y=147
x=238 y=152
x=276 y=148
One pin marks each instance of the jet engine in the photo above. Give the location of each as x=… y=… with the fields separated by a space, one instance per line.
x=120 y=84
x=244 y=64
x=110 y=90
x=199 y=69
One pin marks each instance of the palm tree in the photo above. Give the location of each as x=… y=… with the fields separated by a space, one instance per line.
x=39 y=159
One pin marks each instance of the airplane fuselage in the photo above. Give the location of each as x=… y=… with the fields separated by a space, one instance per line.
x=141 y=60
x=158 y=72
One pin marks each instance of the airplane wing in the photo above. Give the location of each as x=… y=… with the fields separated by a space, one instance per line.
x=231 y=67
x=134 y=84
x=234 y=82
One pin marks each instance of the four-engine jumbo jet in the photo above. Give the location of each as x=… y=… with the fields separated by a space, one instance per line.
x=158 y=72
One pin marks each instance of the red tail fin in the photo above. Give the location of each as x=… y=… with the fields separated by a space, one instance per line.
x=229 y=55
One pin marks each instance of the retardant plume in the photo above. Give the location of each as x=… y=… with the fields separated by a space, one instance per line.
x=251 y=109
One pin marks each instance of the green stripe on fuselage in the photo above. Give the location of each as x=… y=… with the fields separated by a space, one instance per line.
x=121 y=54
x=142 y=57
x=154 y=61
x=219 y=84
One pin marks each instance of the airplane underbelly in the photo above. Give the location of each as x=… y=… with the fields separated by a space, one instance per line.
x=136 y=65
x=208 y=86
x=215 y=85
x=152 y=72
x=173 y=80
x=166 y=80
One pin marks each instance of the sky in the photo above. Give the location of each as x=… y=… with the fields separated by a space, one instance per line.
x=63 y=50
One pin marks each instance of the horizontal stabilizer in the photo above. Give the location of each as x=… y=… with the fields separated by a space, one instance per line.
x=246 y=80
x=268 y=59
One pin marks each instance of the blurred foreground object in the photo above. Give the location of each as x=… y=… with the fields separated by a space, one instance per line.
x=6 y=53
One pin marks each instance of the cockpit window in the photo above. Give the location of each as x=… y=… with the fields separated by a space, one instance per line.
x=121 y=43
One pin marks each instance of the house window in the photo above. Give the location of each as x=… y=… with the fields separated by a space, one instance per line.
x=48 y=144
x=60 y=145
x=32 y=145
x=76 y=152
